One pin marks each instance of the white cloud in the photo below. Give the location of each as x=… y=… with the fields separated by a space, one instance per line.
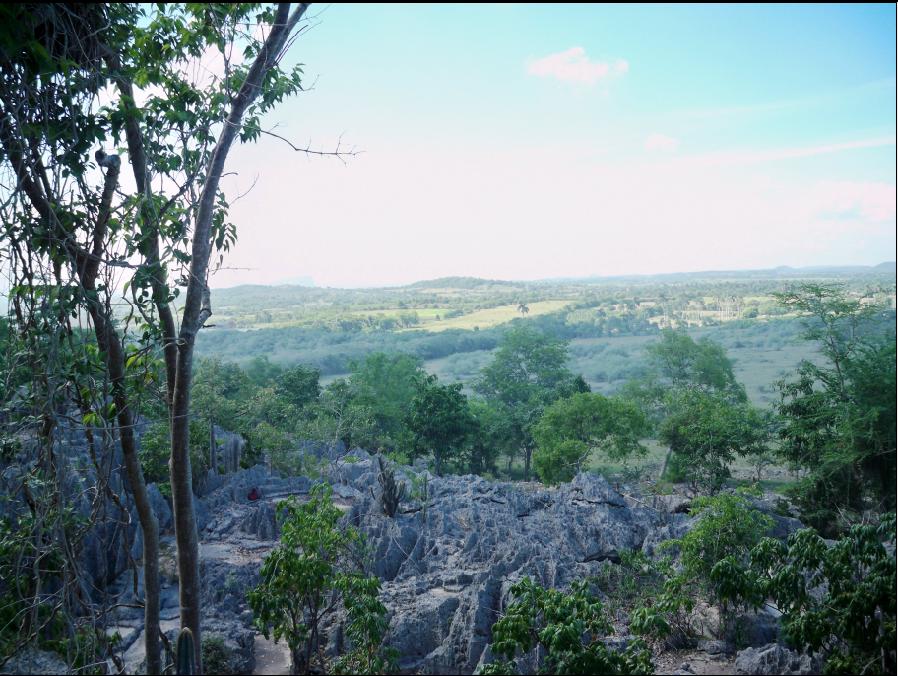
x=572 y=65
x=660 y=142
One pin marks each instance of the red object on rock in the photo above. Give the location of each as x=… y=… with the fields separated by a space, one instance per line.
x=253 y=494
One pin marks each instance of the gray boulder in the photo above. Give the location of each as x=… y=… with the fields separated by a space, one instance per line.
x=775 y=659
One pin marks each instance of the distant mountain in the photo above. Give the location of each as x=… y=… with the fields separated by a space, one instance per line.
x=458 y=283
x=781 y=272
x=248 y=294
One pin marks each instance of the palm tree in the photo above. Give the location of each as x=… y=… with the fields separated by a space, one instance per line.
x=523 y=309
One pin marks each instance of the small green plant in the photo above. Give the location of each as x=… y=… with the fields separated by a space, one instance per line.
x=316 y=565
x=216 y=656
x=568 y=628
x=391 y=492
x=851 y=617
x=714 y=552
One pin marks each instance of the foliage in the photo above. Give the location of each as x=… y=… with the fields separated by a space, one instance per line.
x=155 y=451
x=491 y=436
x=572 y=428
x=385 y=385
x=391 y=493
x=838 y=418
x=647 y=590
x=299 y=386
x=684 y=363
x=705 y=432
x=440 y=420
x=527 y=374
x=567 y=628
x=338 y=416
x=714 y=552
x=838 y=598
x=314 y=565
x=217 y=657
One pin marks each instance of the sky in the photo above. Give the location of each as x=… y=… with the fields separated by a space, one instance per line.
x=537 y=141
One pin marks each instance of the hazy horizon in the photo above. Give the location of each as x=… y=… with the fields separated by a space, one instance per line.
x=528 y=142
x=311 y=283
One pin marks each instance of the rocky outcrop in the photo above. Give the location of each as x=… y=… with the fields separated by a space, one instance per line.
x=775 y=659
x=446 y=561
x=34 y=661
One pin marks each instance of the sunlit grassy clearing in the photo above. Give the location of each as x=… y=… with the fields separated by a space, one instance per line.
x=493 y=316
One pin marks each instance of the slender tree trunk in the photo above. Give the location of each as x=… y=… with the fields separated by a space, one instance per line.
x=111 y=347
x=197 y=310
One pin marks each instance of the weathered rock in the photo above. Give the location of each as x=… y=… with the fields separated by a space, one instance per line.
x=775 y=659
x=161 y=508
x=34 y=661
x=446 y=562
x=714 y=647
x=760 y=628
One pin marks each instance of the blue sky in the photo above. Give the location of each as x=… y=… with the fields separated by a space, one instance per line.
x=518 y=141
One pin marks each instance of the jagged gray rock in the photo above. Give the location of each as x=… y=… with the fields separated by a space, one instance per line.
x=34 y=661
x=447 y=560
x=776 y=659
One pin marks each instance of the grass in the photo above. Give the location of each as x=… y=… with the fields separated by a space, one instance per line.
x=484 y=319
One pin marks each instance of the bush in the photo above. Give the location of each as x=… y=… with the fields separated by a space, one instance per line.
x=315 y=565
x=567 y=628
x=716 y=550
x=838 y=599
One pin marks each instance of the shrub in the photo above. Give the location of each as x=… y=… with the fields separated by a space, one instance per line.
x=315 y=565
x=567 y=627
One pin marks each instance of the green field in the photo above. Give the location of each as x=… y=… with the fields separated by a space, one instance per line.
x=494 y=316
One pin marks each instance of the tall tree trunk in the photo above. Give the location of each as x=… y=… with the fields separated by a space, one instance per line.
x=110 y=345
x=197 y=310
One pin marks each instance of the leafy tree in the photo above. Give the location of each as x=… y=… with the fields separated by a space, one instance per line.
x=261 y=371
x=492 y=436
x=299 y=386
x=683 y=363
x=440 y=420
x=566 y=628
x=527 y=374
x=678 y=363
x=338 y=416
x=705 y=432
x=728 y=527
x=716 y=551
x=386 y=385
x=572 y=428
x=155 y=451
x=313 y=567
x=73 y=214
x=838 y=417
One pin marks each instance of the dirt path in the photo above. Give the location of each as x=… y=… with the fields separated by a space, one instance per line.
x=271 y=657
x=698 y=662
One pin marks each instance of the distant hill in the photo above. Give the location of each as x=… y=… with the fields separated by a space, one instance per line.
x=781 y=272
x=458 y=283
x=249 y=295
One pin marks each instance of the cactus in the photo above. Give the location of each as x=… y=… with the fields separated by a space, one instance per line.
x=391 y=493
x=186 y=653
